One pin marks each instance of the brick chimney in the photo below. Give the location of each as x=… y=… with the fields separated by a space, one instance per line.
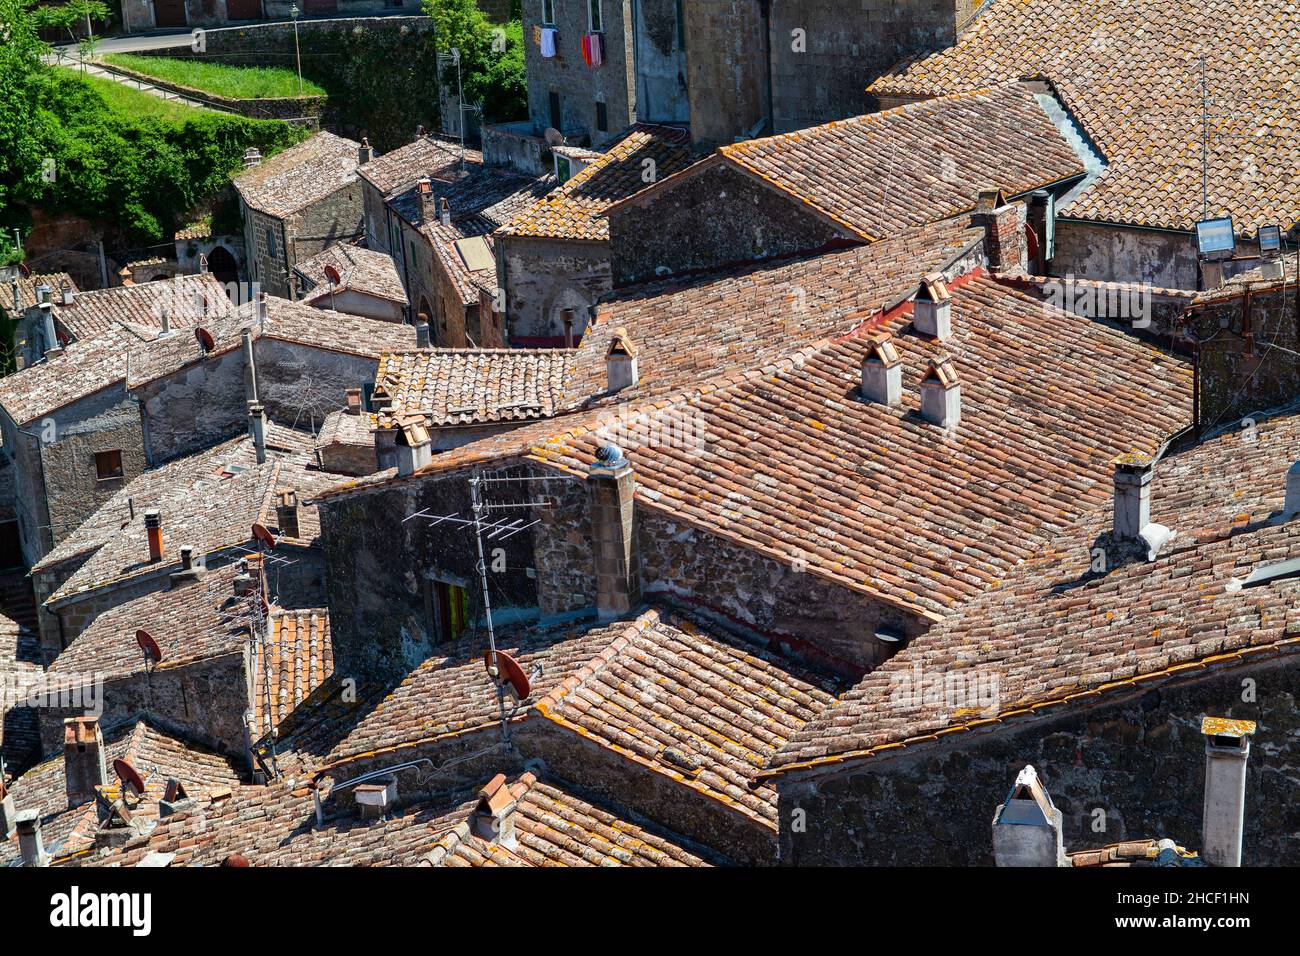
x=611 y=486
x=941 y=395
x=1004 y=233
x=494 y=817
x=620 y=362
x=1227 y=748
x=414 y=446
x=252 y=158
x=364 y=152
x=882 y=372
x=257 y=430
x=1027 y=826
x=932 y=308
x=190 y=572
x=286 y=512
x=444 y=211
x=353 y=397
x=83 y=759
x=31 y=846
x=154 y=532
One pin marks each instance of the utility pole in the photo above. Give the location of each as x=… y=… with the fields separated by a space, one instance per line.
x=297 y=52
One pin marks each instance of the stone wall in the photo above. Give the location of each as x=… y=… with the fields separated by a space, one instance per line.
x=204 y=700
x=544 y=276
x=659 y=49
x=264 y=238
x=1131 y=768
x=714 y=218
x=581 y=87
x=285 y=108
x=726 y=61
x=195 y=407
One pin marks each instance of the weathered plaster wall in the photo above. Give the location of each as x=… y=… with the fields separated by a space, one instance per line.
x=1166 y=260
x=300 y=385
x=726 y=55
x=711 y=219
x=544 y=276
x=195 y=407
x=660 y=55
x=1140 y=761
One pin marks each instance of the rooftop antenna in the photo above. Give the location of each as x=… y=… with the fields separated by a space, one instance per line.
x=453 y=58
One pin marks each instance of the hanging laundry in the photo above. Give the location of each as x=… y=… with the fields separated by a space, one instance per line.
x=537 y=34
x=597 y=49
x=586 y=49
x=548 y=42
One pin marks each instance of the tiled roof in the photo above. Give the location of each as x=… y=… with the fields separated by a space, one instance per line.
x=878 y=174
x=1130 y=72
x=360 y=270
x=27 y=289
x=154 y=754
x=300 y=175
x=576 y=209
x=343 y=428
x=438 y=159
x=791 y=462
x=203 y=506
x=276 y=826
x=1054 y=629
x=20 y=666
x=471 y=386
x=189 y=299
x=199 y=620
x=1137 y=853
x=295 y=660
x=700 y=328
x=706 y=709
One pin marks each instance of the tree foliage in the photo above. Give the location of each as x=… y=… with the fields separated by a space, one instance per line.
x=491 y=57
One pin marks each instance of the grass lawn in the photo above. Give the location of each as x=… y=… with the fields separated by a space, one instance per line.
x=123 y=99
x=232 y=82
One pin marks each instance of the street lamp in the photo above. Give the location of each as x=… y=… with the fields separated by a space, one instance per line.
x=295 y=13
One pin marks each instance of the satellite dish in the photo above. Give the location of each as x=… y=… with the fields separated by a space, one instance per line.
x=128 y=775
x=263 y=536
x=62 y=337
x=553 y=137
x=235 y=859
x=509 y=672
x=23 y=270
x=205 y=339
x=149 y=646
x=333 y=275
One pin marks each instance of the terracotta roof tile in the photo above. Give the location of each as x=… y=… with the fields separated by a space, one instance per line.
x=398 y=169
x=293 y=179
x=360 y=270
x=27 y=289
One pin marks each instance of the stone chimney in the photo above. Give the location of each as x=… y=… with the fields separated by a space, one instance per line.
x=1292 y=506
x=1027 y=826
x=611 y=486
x=494 y=817
x=444 y=211
x=154 y=532
x=83 y=759
x=190 y=572
x=1227 y=748
x=941 y=395
x=353 y=398
x=42 y=294
x=932 y=308
x=1004 y=232
x=422 y=332
x=566 y=319
x=257 y=429
x=165 y=314
x=263 y=310
x=375 y=800
x=286 y=512
x=1132 y=496
x=31 y=846
x=620 y=362
x=252 y=158
x=882 y=372
x=424 y=192
x=175 y=799
x=414 y=446
x=364 y=152
x=419 y=132
x=1037 y=215
x=67 y=294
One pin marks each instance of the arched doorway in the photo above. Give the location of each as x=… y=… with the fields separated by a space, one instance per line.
x=223 y=265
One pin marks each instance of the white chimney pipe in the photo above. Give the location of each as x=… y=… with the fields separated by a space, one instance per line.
x=1292 y=506
x=414 y=446
x=941 y=395
x=932 y=308
x=621 y=362
x=1227 y=748
x=1132 y=496
x=257 y=430
x=30 y=844
x=882 y=372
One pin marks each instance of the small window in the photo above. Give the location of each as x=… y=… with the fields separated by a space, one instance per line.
x=108 y=465
x=548 y=12
x=270 y=242
x=594 y=19
x=450 y=607
x=602 y=117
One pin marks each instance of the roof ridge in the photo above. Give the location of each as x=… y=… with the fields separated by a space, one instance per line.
x=642 y=623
